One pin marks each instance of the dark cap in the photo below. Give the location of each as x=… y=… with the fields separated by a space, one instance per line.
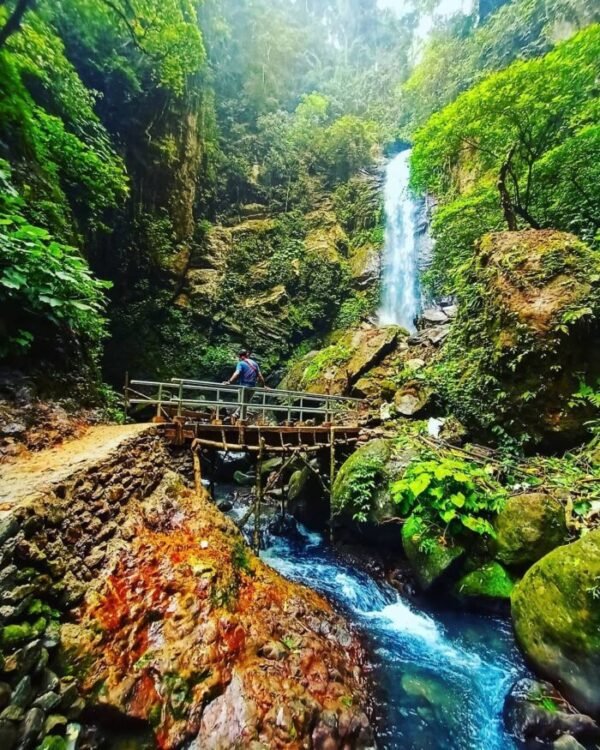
x=243 y=353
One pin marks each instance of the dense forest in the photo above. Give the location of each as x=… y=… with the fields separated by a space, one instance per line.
x=193 y=178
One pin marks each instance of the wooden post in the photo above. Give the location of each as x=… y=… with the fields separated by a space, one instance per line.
x=259 y=494
x=197 y=470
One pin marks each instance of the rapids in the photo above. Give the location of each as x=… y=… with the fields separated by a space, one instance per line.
x=441 y=676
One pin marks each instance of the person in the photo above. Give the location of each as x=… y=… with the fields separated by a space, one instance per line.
x=247 y=373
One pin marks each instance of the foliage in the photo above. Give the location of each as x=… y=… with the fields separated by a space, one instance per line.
x=43 y=280
x=450 y=493
x=515 y=123
x=360 y=492
x=462 y=52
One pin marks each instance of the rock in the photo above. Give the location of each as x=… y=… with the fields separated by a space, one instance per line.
x=429 y=556
x=305 y=499
x=528 y=527
x=8 y=735
x=434 y=316
x=47 y=701
x=55 y=724
x=12 y=713
x=23 y=693
x=337 y=368
x=510 y=337
x=9 y=527
x=534 y=710
x=412 y=399
x=369 y=460
x=435 y=335
x=386 y=412
x=5 y=692
x=491 y=582
x=556 y=615
x=365 y=266
x=567 y=742
x=244 y=480
x=32 y=727
x=207 y=608
x=414 y=364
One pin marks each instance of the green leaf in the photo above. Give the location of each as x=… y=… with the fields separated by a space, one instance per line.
x=420 y=484
x=458 y=499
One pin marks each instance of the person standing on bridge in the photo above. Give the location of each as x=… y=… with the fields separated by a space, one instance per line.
x=247 y=374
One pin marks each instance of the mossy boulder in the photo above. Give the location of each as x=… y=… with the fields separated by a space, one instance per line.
x=526 y=334
x=429 y=554
x=556 y=614
x=361 y=487
x=491 y=582
x=338 y=367
x=529 y=527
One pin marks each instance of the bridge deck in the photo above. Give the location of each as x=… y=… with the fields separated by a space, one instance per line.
x=279 y=421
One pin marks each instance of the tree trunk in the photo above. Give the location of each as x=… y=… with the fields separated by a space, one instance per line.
x=14 y=20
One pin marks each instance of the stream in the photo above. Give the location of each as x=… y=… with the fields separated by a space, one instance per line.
x=441 y=675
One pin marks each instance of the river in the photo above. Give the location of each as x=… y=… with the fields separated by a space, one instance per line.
x=440 y=675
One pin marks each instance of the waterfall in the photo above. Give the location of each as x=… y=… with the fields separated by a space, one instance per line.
x=400 y=301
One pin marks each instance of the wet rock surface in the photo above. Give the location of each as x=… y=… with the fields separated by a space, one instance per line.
x=195 y=636
x=535 y=711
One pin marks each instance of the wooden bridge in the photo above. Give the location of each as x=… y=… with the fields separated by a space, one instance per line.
x=221 y=417
x=233 y=418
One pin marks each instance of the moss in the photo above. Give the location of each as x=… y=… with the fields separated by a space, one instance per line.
x=528 y=323
x=528 y=527
x=429 y=554
x=360 y=488
x=556 y=613
x=491 y=581
x=15 y=635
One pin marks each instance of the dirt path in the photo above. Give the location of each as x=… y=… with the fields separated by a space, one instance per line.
x=32 y=474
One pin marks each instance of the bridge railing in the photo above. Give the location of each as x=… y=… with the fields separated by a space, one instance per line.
x=199 y=399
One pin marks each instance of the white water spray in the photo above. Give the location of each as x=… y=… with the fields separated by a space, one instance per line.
x=400 y=300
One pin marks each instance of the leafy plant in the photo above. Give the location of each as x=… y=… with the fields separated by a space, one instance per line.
x=42 y=279
x=449 y=492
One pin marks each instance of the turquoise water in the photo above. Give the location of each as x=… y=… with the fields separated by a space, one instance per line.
x=440 y=676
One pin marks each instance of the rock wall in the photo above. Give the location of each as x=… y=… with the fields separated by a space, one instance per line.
x=52 y=545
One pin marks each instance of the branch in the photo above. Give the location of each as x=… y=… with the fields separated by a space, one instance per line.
x=14 y=20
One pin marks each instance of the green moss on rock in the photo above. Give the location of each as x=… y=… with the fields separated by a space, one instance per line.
x=529 y=527
x=361 y=486
x=491 y=581
x=556 y=614
x=527 y=331
x=429 y=555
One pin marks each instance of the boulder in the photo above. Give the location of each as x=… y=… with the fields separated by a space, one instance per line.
x=535 y=711
x=529 y=527
x=433 y=315
x=365 y=266
x=338 y=367
x=489 y=583
x=305 y=499
x=526 y=334
x=412 y=399
x=556 y=614
x=360 y=490
x=429 y=555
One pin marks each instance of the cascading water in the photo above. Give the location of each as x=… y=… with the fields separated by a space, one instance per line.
x=442 y=676
x=400 y=301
